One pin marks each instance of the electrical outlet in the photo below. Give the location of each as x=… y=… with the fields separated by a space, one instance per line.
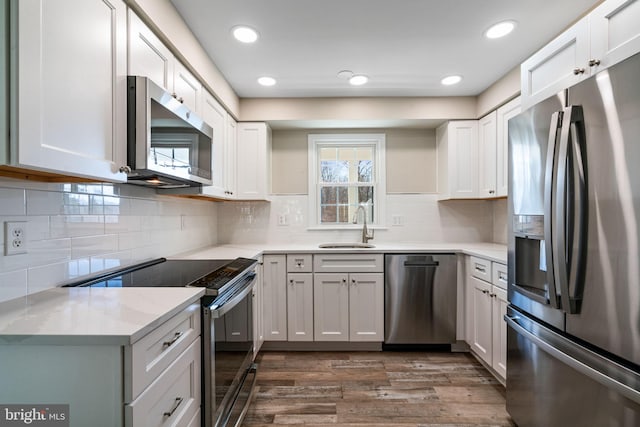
x=15 y=237
x=283 y=219
x=397 y=220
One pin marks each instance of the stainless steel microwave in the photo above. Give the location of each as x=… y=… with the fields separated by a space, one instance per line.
x=168 y=146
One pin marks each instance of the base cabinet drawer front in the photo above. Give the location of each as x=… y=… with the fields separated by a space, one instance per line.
x=300 y=306
x=481 y=268
x=156 y=351
x=300 y=263
x=350 y=263
x=173 y=398
x=499 y=275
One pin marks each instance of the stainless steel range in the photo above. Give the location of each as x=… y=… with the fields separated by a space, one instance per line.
x=228 y=371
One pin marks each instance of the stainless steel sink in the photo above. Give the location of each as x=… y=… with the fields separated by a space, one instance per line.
x=346 y=245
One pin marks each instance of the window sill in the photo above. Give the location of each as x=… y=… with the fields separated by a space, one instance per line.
x=345 y=227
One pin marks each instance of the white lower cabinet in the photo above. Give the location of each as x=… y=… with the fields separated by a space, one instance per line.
x=348 y=307
x=274 y=303
x=258 y=311
x=486 y=305
x=300 y=306
x=331 y=306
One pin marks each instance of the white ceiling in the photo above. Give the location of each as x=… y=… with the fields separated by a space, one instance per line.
x=404 y=46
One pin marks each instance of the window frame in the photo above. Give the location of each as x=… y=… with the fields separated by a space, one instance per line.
x=375 y=140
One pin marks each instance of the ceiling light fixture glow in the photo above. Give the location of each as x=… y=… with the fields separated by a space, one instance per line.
x=451 y=80
x=244 y=34
x=358 y=80
x=267 y=81
x=500 y=29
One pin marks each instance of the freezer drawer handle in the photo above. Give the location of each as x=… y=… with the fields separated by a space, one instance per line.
x=421 y=264
x=595 y=375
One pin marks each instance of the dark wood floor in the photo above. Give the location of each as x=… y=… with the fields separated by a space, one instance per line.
x=360 y=389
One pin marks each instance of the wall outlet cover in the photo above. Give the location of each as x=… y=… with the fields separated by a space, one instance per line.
x=15 y=237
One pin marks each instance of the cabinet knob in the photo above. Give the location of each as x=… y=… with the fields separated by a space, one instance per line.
x=181 y=100
x=484 y=291
x=577 y=71
x=344 y=281
x=491 y=191
x=125 y=169
x=353 y=281
x=594 y=62
x=291 y=282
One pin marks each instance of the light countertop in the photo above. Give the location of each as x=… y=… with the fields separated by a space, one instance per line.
x=491 y=251
x=83 y=316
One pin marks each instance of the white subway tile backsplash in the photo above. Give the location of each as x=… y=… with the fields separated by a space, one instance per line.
x=13 y=201
x=13 y=285
x=76 y=230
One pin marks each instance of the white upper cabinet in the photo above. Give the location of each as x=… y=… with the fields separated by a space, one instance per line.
x=609 y=34
x=231 y=155
x=615 y=33
x=150 y=57
x=253 y=174
x=487 y=155
x=216 y=116
x=457 y=145
x=71 y=88
x=503 y=114
x=558 y=65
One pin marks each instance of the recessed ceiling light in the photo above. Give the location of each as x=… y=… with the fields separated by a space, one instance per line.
x=244 y=34
x=345 y=74
x=358 y=79
x=267 y=81
x=500 y=29
x=451 y=80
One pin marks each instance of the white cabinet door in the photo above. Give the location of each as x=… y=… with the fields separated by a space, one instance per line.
x=216 y=116
x=187 y=89
x=331 y=307
x=231 y=153
x=503 y=114
x=274 y=283
x=148 y=56
x=300 y=307
x=559 y=65
x=253 y=177
x=366 y=307
x=499 y=329
x=482 y=321
x=72 y=87
x=487 y=145
x=615 y=33
x=457 y=145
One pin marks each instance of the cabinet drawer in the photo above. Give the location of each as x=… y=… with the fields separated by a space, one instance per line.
x=154 y=352
x=300 y=263
x=174 y=397
x=349 y=263
x=499 y=275
x=481 y=268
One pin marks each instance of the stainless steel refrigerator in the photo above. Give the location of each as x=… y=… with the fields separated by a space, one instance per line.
x=573 y=346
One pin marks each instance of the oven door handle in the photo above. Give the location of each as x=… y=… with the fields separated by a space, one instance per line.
x=235 y=299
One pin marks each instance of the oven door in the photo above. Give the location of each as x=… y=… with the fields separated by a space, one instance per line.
x=228 y=371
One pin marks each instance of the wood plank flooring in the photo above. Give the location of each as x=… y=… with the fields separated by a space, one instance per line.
x=381 y=389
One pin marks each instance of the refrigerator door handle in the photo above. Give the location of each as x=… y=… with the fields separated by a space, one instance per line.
x=549 y=201
x=623 y=389
x=570 y=162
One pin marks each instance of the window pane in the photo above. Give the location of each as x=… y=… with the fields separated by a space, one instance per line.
x=328 y=214
x=343 y=214
x=365 y=171
x=365 y=195
x=334 y=171
x=343 y=195
x=328 y=196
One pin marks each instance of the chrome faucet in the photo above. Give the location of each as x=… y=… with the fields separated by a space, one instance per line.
x=365 y=232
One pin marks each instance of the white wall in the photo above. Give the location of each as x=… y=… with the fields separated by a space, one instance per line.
x=75 y=230
x=425 y=220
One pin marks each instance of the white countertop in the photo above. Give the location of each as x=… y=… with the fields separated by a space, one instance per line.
x=82 y=316
x=491 y=251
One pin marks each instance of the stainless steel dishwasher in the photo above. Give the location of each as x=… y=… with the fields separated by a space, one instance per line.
x=420 y=298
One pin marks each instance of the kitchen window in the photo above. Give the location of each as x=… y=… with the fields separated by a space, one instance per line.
x=346 y=171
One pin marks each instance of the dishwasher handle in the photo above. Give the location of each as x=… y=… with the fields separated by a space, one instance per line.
x=421 y=263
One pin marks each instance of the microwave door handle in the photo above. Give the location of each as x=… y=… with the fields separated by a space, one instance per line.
x=549 y=201
x=580 y=184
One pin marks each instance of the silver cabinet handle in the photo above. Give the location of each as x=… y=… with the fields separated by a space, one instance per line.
x=577 y=71
x=125 y=169
x=291 y=282
x=176 y=404
x=481 y=268
x=168 y=344
x=594 y=62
